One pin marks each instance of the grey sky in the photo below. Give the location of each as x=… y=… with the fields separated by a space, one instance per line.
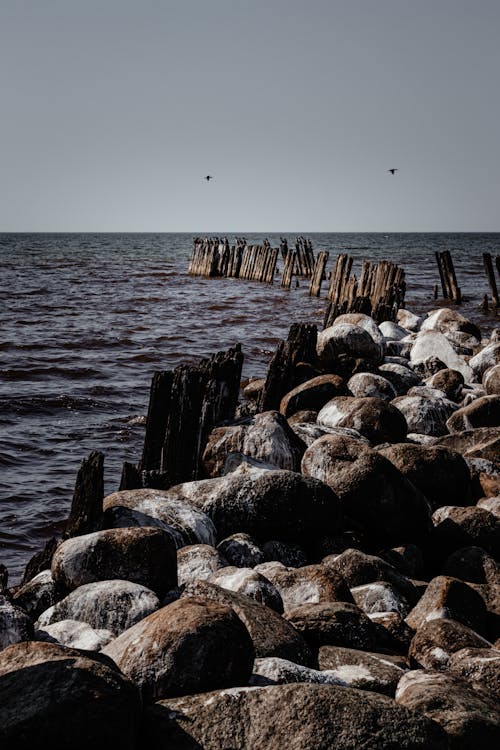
x=113 y=110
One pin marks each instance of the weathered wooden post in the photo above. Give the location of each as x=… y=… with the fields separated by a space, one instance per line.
x=490 y=273
x=300 y=346
x=86 y=508
x=318 y=273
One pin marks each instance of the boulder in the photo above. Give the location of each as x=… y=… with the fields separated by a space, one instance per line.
x=363 y=321
x=446 y=321
x=289 y=717
x=400 y=376
x=483 y=442
x=486 y=358
x=428 y=367
x=472 y=564
x=15 y=625
x=369 y=384
x=490 y=503
x=392 y=331
x=40 y=593
x=465 y=527
x=407 y=559
x=265 y=437
x=198 y=562
x=254 y=388
x=483 y=412
x=347 y=340
x=241 y=550
x=451 y=382
x=312 y=395
x=310 y=584
x=306 y=416
x=436 y=640
x=334 y=624
x=141 y=555
x=470 y=719
x=362 y=669
x=105 y=605
x=425 y=415
x=447 y=597
x=439 y=473
x=409 y=320
x=491 y=380
x=274 y=671
x=480 y=667
x=290 y=555
x=311 y=432
x=55 y=697
x=250 y=583
x=380 y=596
x=142 y=507
x=431 y=343
x=74 y=634
x=372 y=417
x=271 y=634
x=399 y=633
x=191 y=645
x=374 y=495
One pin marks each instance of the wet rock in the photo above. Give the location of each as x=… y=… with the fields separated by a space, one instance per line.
x=192 y=645
x=312 y=395
x=74 y=634
x=56 y=697
x=266 y=437
x=141 y=555
x=483 y=412
x=361 y=669
x=430 y=343
x=310 y=584
x=273 y=671
x=290 y=717
x=198 y=562
x=379 y=596
x=465 y=527
x=409 y=320
x=490 y=503
x=347 y=339
x=486 y=358
x=401 y=377
x=425 y=391
x=451 y=382
x=254 y=388
x=447 y=597
x=187 y=524
x=439 y=473
x=241 y=550
x=450 y=321
x=271 y=634
x=428 y=367
x=306 y=416
x=372 y=417
x=483 y=442
x=470 y=719
x=334 y=624
x=373 y=493
x=392 y=331
x=290 y=555
x=250 y=583
x=491 y=380
x=15 y=625
x=424 y=415
x=40 y=593
x=105 y=605
x=363 y=321
x=369 y=384
x=480 y=667
x=436 y=640
x=311 y=432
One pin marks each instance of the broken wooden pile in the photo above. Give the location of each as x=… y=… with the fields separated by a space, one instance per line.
x=214 y=257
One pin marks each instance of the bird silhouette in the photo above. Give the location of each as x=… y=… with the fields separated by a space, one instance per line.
x=209 y=177
x=393 y=170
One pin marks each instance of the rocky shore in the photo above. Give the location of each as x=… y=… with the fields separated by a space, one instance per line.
x=333 y=582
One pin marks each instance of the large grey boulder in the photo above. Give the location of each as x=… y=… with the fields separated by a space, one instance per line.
x=424 y=415
x=250 y=583
x=348 y=340
x=431 y=343
x=400 y=376
x=38 y=594
x=362 y=669
x=486 y=358
x=74 y=634
x=369 y=384
x=449 y=321
x=483 y=412
x=198 y=562
x=373 y=418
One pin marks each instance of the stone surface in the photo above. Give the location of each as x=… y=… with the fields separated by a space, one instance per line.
x=290 y=555
x=313 y=394
x=241 y=550
x=74 y=634
x=490 y=503
x=379 y=596
x=250 y=583
x=447 y=597
x=436 y=640
x=446 y=320
x=362 y=669
x=40 y=593
x=486 y=358
x=274 y=671
x=392 y=331
x=311 y=432
x=399 y=634
x=369 y=384
x=334 y=624
x=483 y=442
x=373 y=493
x=483 y=412
x=449 y=381
x=348 y=340
x=480 y=667
x=55 y=697
x=400 y=376
x=373 y=418
x=465 y=527
x=105 y=605
x=469 y=719
x=409 y=320
x=141 y=555
x=15 y=625
x=431 y=343
x=290 y=717
x=309 y=584
x=198 y=562
x=424 y=415
x=491 y=380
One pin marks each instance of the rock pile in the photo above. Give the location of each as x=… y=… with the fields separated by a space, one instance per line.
x=333 y=582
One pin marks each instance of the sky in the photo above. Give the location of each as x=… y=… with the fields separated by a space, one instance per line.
x=113 y=111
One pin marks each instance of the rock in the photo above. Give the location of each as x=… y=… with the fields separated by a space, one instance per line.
x=372 y=492
x=485 y=477
x=430 y=343
x=141 y=555
x=409 y=320
x=445 y=321
x=447 y=597
x=427 y=367
x=480 y=667
x=241 y=550
x=312 y=395
x=392 y=331
x=372 y=417
x=55 y=697
x=188 y=525
x=436 y=640
x=465 y=527
x=254 y=388
x=401 y=377
x=192 y=645
x=483 y=412
x=425 y=391
x=471 y=720
x=424 y=415
x=379 y=597
x=439 y=473
x=451 y=382
x=486 y=358
x=419 y=439
x=472 y=564
x=399 y=349
x=363 y=321
x=40 y=593
x=198 y=562
x=312 y=583
x=368 y=384
x=490 y=503
x=311 y=432
x=266 y=504
x=306 y=416
x=266 y=437
x=74 y=634
x=290 y=555
x=250 y=583
x=407 y=559
x=361 y=669
x=348 y=340
x=274 y=671
x=105 y=605
x=15 y=625
x=271 y=634
x=334 y=624
x=399 y=633
x=483 y=442
x=491 y=380
x=290 y=717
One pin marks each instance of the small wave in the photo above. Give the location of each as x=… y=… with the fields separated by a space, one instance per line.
x=35 y=373
x=48 y=404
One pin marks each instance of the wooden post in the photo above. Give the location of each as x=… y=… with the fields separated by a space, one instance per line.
x=300 y=346
x=318 y=274
x=86 y=508
x=130 y=478
x=440 y=265
x=160 y=397
x=40 y=561
x=286 y=278
x=456 y=294
x=490 y=273
x=484 y=304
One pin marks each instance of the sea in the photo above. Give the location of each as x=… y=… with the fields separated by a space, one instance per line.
x=86 y=319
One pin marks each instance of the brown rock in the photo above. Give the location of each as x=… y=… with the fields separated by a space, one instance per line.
x=491 y=380
x=436 y=640
x=449 y=381
x=374 y=418
x=447 y=597
x=198 y=562
x=334 y=624
x=362 y=669
x=313 y=394
x=311 y=583
x=483 y=412
x=241 y=550
x=483 y=442
x=480 y=667
x=465 y=527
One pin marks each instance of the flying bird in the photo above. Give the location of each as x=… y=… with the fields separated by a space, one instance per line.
x=209 y=177
x=393 y=170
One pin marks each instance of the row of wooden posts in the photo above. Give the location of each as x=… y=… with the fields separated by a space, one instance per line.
x=449 y=285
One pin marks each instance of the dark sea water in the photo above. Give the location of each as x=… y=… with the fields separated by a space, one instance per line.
x=85 y=320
